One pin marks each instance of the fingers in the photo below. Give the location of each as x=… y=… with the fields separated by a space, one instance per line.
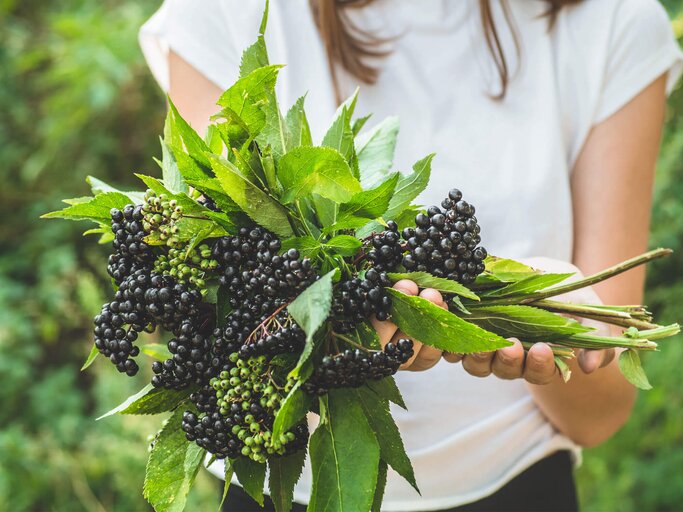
x=452 y=358
x=479 y=364
x=539 y=367
x=591 y=360
x=508 y=362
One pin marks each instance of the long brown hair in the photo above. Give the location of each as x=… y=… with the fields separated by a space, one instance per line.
x=350 y=47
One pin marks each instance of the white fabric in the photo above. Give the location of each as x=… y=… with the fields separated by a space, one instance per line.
x=466 y=436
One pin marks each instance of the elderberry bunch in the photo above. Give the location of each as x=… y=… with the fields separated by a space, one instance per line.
x=142 y=302
x=236 y=413
x=286 y=337
x=131 y=253
x=191 y=361
x=160 y=215
x=356 y=299
x=445 y=242
x=185 y=268
x=352 y=368
x=386 y=253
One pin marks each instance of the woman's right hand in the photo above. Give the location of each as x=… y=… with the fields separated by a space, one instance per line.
x=424 y=357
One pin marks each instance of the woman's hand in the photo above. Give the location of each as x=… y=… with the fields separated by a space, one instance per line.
x=424 y=357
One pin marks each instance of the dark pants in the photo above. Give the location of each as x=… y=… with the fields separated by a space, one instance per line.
x=547 y=486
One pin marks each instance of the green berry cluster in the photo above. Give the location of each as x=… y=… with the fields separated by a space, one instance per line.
x=186 y=268
x=160 y=215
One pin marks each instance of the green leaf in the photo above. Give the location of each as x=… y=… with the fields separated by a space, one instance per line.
x=172 y=467
x=344 y=245
x=212 y=188
x=170 y=171
x=91 y=357
x=425 y=321
x=189 y=205
x=367 y=336
x=99 y=187
x=227 y=479
x=340 y=136
x=96 y=208
x=372 y=203
x=297 y=131
x=391 y=447
x=248 y=97
x=632 y=369
x=292 y=410
x=158 y=351
x=319 y=170
x=284 y=472
x=426 y=280
x=381 y=485
x=344 y=458
x=564 y=369
x=306 y=245
x=375 y=149
x=529 y=284
x=194 y=144
x=256 y=56
x=251 y=475
x=409 y=187
x=359 y=123
x=497 y=265
x=386 y=388
x=150 y=400
x=310 y=310
x=263 y=209
x=524 y=322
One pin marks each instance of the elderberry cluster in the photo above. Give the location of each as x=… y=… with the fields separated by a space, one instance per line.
x=142 y=302
x=131 y=253
x=236 y=413
x=191 y=268
x=356 y=299
x=160 y=215
x=386 y=253
x=286 y=337
x=352 y=368
x=445 y=242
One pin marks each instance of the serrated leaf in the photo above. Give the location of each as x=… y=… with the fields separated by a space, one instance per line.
x=426 y=322
x=284 y=472
x=96 y=208
x=344 y=245
x=293 y=409
x=529 y=284
x=426 y=280
x=306 y=245
x=409 y=187
x=212 y=188
x=318 y=170
x=256 y=56
x=340 y=135
x=248 y=97
x=375 y=150
x=150 y=400
x=91 y=358
x=170 y=172
x=227 y=479
x=632 y=369
x=172 y=467
x=386 y=388
x=158 y=351
x=251 y=475
x=263 y=209
x=524 y=322
x=310 y=310
x=193 y=143
x=344 y=458
x=367 y=336
x=381 y=485
x=391 y=447
x=297 y=130
x=372 y=203
x=99 y=187
x=497 y=265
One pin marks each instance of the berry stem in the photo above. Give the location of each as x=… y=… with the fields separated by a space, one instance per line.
x=564 y=352
x=350 y=342
x=605 y=315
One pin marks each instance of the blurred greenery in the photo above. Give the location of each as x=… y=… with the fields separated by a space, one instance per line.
x=75 y=99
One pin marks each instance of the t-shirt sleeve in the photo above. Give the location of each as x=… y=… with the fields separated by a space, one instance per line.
x=641 y=48
x=196 y=30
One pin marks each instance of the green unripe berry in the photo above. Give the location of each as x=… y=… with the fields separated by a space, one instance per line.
x=255 y=427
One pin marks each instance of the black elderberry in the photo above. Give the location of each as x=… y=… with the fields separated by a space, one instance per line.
x=356 y=299
x=131 y=253
x=386 y=253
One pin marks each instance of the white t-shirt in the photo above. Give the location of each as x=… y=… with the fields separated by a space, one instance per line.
x=466 y=436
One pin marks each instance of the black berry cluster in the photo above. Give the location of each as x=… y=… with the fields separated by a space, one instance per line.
x=131 y=253
x=191 y=361
x=445 y=242
x=356 y=299
x=352 y=368
x=279 y=334
x=386 y=253
x=142 y=302
x=236 y=413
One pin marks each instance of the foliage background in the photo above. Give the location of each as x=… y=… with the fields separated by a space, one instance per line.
x=77 y=99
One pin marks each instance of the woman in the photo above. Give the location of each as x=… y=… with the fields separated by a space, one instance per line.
x=547 y=114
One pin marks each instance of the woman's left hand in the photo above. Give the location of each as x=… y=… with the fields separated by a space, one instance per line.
x=537 y=366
